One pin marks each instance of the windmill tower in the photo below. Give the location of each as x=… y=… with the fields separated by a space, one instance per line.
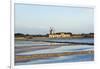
x=51 y=30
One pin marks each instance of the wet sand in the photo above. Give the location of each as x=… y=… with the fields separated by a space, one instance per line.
x=23 y=58
x=33 y=48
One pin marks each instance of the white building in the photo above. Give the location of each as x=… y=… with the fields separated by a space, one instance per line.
x=60 y=35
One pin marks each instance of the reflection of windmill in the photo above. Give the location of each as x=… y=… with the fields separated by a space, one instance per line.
x=51 y=30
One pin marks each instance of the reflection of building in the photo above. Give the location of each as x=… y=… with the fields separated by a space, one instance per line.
x=60 y=35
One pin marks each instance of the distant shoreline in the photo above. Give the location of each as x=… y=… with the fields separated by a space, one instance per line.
x=54 y=35
x=23 y=38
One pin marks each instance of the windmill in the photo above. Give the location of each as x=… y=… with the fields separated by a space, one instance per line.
x=51 y=30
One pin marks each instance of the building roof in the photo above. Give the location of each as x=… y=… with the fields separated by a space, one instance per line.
x=59 y=33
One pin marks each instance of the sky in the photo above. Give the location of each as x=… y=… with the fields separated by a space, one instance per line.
x=37 y=19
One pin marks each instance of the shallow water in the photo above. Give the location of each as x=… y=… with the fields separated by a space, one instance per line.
x=71 y=58
x=60 y=49
x=55 y=49
x=38 y=42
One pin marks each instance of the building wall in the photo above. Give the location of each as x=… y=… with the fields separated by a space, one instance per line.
x=59 y=35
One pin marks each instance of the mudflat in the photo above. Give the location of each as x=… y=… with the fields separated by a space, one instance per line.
x=23 y=58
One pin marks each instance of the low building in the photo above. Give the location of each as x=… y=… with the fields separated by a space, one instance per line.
x=60 y=35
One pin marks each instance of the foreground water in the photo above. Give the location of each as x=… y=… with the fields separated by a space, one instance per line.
x=71 y=58
x=54 y=48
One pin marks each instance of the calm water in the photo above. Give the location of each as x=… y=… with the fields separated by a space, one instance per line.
x=59 y=49
x=37 y=42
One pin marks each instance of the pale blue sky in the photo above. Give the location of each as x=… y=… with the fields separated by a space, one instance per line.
x=37 y=19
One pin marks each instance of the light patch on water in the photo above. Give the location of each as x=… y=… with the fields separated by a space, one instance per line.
x=60 y=50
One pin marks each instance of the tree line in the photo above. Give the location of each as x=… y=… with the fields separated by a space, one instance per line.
x=24 y=35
